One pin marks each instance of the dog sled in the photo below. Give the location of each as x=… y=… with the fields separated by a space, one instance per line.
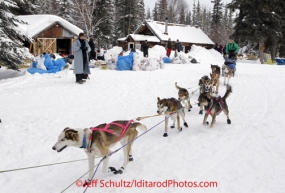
x=230 y=63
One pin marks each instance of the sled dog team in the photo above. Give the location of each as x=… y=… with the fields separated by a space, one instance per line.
x=97 y=141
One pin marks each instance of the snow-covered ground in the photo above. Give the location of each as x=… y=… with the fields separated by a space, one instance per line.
x=247 y=156
x=6 y=73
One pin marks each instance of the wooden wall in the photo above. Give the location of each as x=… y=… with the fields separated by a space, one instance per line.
x=46 y=41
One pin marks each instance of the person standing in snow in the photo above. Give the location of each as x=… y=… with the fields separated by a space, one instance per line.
x=145 y=47
x=81 y=49
x=92 y=46
x=101 y=54
x=232 y=49
x=178 y=46
x=169 y=47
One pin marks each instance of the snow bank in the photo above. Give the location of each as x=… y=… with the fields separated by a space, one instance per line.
x=203 y=55
x=157 y=52
x=153 y=62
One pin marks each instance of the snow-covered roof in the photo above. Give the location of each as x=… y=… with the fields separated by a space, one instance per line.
x=184 y=33
x=38 y=23
x=122 y=39
x=139 y=37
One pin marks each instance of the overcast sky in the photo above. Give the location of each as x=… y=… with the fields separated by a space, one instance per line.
x=150 y=3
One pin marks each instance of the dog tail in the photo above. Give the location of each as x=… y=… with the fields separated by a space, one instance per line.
x=140 y=126
x=177 y=86
x=228 y=92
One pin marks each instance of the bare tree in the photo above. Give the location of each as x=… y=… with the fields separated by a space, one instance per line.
x=85 y=10
x=175 y=7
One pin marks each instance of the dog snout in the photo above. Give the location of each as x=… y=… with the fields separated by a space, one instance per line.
x=157 y=112
x=53 y=148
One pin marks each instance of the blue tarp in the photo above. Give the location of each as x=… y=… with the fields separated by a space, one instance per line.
x=166 y=60
x=280 y=61
x=125 y=62
x=52 y=66
x=230 y=63
x=231 y=66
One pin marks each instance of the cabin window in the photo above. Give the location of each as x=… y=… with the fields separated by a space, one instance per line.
x=130 y=45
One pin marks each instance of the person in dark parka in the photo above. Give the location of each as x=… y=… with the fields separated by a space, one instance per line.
x=145 y=47
x=81 y=63
x=92 y=46
x=178 y=46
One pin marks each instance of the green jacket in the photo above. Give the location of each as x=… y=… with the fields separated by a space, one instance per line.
x=232 y=47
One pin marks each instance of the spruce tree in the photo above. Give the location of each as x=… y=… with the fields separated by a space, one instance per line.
x=103 y=22
x=155 y=12
x=182 y=16
x=194 y=16
x=198 y=14
x=24 y=7
x=130 y=14
x=216 y=25
x=162 y=10
x=171 y=15
x=65 y=10
x=188 y=19
x=148 y=14
x=259 y=23
x=12 y=52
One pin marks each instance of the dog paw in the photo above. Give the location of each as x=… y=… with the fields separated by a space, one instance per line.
x=189 y=110
x=172 y=126
x=185 y=124
x=120 y=171
x=112 y=169
x=131 y=158
x=229 y=121
x=180 y=129
x=165 y=135
x=87 y=183
x=201 y=112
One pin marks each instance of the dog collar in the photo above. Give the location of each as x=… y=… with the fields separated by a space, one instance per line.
x=84 y=143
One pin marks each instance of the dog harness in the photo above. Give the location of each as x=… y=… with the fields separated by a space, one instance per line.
x=220 y=102
x=105 y=129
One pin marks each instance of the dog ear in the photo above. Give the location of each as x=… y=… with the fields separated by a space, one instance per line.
x=71 y=135
x=66 y=128
x=73 y=131
x=158 y=98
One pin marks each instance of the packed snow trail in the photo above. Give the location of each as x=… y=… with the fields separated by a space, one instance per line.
x=246 y=156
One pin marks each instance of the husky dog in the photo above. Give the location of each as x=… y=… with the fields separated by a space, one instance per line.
x=228 y=73
x=206 y=85
x=204 y=95
x=97 y=142
x=216 y=82
x=174 y=107
x=216 y=69
x=183 y=95
x=214 y=105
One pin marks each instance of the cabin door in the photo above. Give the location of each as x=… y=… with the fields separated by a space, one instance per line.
x=47 y=45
